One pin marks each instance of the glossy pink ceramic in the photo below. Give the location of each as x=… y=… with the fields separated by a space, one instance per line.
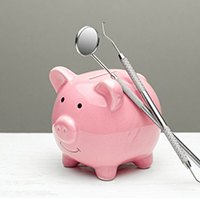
x=96 y=124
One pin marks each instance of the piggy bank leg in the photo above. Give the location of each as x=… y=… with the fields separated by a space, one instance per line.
x=106 y=173
x=144 y=162
x=68 y=161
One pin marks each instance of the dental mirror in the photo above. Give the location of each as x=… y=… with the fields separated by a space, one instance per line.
x=86 y=43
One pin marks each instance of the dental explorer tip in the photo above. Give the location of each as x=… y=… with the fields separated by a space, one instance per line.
x=193 y=175
x=103 y=28
x=112 y=42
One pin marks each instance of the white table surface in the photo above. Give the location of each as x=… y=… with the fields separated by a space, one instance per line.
x=30 y=166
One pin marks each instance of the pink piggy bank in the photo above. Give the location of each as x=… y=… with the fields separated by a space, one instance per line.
x=96 y=124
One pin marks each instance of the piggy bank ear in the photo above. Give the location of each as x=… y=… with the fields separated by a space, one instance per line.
x=112 y=92
x=60 y=76
x=141 y=77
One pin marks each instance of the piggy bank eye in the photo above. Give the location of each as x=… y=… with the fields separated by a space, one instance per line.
x=79 y=105
x=62 y=99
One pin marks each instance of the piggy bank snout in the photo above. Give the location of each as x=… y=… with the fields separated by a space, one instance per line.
x=65 y=129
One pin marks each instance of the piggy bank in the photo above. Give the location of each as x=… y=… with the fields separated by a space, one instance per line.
x=94 y=123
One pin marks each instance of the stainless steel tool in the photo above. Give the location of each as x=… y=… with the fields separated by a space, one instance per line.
x=86 y=42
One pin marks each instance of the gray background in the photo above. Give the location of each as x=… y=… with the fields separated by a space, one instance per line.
x=162 y=38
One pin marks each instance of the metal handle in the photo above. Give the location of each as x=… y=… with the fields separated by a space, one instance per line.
x=132 y=73
x=166 y=130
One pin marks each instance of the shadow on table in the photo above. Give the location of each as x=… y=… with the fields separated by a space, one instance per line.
x=125 y=169
x=58 y=170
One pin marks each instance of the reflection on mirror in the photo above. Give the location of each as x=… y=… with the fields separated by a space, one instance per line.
x=87 y=41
